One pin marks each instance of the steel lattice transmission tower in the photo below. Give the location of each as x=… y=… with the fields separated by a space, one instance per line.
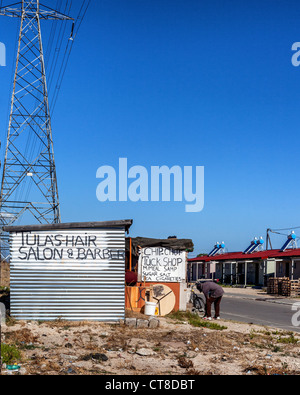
x=29 y=183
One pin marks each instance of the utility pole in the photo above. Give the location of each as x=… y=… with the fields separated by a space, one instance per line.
x=268 y=239
x=29 y=182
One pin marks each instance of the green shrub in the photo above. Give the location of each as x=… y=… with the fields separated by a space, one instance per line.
x=195 y=320
x=10 y=354
x=288 y=340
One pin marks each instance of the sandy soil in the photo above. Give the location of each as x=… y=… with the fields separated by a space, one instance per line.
x=176 y=347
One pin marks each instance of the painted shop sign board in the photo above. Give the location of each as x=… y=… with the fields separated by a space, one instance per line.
x=159 y=264
x=64 y=247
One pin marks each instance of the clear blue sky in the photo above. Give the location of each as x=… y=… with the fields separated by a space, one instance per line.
x=181 y=82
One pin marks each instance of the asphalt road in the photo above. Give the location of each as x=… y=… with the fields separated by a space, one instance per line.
x=259 y=312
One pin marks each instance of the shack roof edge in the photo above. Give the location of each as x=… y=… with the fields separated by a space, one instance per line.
x=174 y=243
x=71 y=225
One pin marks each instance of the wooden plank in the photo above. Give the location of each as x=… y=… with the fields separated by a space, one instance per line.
x=73 y=225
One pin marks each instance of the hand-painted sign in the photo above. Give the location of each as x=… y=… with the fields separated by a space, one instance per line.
x=159 y=264
x=64 y=246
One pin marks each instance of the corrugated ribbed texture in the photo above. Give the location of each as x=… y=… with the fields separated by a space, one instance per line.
x=72 y=275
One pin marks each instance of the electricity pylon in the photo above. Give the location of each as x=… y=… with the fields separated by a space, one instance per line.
x=29 y=183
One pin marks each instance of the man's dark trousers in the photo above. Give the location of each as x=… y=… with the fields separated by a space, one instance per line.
x=216 y=302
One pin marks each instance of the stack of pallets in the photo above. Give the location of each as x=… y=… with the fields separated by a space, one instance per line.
x=273 y=287
x=285 y=286
x=295 y=288
x=279 y=286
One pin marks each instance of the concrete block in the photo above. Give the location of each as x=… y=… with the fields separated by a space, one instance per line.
x=131 y=322
x=154 y=323
x=142 y=323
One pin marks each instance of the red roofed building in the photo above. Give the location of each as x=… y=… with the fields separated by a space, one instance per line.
x=231 y=267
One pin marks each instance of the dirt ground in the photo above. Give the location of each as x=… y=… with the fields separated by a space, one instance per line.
x=175 y=348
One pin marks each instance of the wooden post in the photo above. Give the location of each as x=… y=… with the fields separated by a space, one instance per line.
x=151 y=293
x=130 y=254
x=1 y=339
x=223 y=273
x=0 y=342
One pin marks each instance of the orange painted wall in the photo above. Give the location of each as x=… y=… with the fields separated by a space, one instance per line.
x=133 y=295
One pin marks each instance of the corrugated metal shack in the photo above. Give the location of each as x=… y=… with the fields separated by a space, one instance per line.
x=73 y=271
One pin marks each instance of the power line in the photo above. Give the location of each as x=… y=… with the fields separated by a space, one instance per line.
x=30 y=123
x=279 y=230
x=33 y=145
x=75 y=29
x=51 y=71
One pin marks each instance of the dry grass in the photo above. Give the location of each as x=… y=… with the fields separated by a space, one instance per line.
x=20 y=336
x=134 y=314
x=62 y=347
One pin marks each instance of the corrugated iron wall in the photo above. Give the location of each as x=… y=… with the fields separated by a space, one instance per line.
x=83 y=278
